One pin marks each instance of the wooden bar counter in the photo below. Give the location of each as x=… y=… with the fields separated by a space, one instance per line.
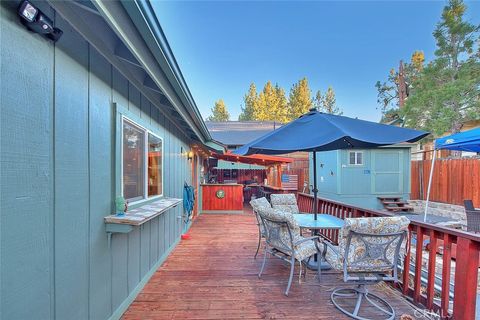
x=222 y=198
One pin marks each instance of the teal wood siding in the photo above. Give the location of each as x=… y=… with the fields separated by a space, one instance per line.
x=60 y=174
x=385 y=172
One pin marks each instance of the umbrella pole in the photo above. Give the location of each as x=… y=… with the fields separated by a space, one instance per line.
x=315 y=190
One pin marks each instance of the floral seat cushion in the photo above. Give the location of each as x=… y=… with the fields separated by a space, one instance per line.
x=368 y=254
x=279 y=237
x=256 y=205
x=285 y=202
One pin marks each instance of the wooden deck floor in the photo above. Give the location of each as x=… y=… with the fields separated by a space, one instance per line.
x=213 y=276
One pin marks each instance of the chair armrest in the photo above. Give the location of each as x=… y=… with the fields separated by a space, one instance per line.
x=306 y=239
x=310 y=239
x=328 y=244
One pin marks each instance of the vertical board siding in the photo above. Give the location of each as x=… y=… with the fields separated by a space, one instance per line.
x=71 y=175
x=58 y=129
x=26 y=157
x=120 y=249
x=453 y=181
x=101 y=184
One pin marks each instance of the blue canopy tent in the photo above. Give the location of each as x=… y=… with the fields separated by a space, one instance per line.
x=317 y=131
x=462 y=141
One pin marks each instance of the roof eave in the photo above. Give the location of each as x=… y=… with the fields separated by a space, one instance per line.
x=170 y=80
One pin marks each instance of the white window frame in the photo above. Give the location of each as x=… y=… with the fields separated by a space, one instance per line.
x=356 y=164
x=145 y=161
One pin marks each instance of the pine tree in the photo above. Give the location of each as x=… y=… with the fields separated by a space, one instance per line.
x=300 y=100
x=447 y=91
x=388 y=95
x=317 y=101
x=326 y=103
x=266 y=103
x=250 y=101
x=281 y=105
x=329 y=103
x=219 y=112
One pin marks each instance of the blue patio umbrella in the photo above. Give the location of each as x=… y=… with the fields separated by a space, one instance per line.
x=317 y=131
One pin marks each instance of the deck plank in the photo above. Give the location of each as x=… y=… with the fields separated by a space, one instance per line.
x=213 y=276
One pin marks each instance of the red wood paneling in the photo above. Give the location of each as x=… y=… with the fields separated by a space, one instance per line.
x=454 y=180
x=233 y=199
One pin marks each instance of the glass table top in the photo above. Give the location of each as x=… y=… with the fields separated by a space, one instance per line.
x=324 y=221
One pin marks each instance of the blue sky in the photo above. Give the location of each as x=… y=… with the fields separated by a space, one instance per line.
x=222 y=47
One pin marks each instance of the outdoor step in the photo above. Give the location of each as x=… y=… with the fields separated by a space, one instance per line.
x=399 y=208
x=389 y=198
x=394 y=202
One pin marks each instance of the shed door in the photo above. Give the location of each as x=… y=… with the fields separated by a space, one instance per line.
x=387 y=171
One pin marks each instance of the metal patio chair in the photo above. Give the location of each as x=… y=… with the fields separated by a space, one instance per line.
x=256 y=205
x=283 y=240
x=473 y=216
x=284 y=202
x=369 y=252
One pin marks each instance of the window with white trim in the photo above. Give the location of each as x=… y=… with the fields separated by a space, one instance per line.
x=355 y=158
x=142 y=162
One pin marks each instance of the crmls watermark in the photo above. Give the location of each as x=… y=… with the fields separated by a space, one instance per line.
x=430 y=314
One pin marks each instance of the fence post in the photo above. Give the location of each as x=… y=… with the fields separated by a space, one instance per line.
x=466 y=273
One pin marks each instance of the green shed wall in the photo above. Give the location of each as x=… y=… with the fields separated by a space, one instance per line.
x=58 y=179
x=386 y=172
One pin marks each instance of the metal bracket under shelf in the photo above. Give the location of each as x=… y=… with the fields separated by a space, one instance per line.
x=112 y=228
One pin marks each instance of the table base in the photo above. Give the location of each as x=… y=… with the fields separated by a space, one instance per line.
x=313 y=263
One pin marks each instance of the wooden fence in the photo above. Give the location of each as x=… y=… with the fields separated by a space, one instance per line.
x=454 y=180
x=425 y=286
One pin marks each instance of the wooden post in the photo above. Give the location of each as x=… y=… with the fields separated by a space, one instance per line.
x=279 y=175
x=446 y=269
x=432 y=254
x=466 y=273
x=417 y=281
x=406 y=264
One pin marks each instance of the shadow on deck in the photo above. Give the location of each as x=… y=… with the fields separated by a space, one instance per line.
x=213 y=276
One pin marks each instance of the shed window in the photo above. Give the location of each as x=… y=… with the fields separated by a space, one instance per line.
x=355 y=158
x=142 y=167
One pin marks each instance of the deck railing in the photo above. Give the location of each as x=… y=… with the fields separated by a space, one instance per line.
x=421 y=283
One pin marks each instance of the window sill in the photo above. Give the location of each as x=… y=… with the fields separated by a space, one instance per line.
x=140 y=203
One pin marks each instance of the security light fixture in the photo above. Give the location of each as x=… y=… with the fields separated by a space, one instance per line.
x=190 y=155
x=36 y=21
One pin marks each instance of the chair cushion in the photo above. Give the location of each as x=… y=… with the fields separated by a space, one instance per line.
x=305 y=249
x=285 y=202
x=256 y=205
x=358 y=258
x=260 y=202
x=279 y=236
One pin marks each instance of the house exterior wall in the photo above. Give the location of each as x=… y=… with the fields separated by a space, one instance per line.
x=59 y=176
x=385 y=172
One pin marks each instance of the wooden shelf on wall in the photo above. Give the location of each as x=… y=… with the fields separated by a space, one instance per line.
x=142 y=214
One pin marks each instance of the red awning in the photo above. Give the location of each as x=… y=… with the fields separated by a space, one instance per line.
x=258 y=159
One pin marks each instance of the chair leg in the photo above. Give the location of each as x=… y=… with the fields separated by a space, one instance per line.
x=258 y=246
x=292 y=268
x=319 y=269
x=264 y=260
x=300 y=272
x=361 y=296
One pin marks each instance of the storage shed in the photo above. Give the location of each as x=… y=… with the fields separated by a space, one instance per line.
x=360 y=177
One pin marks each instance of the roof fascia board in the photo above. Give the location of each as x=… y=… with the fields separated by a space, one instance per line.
x=121 y=23
x=148 y=24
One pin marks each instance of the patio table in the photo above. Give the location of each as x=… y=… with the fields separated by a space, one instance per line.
x=324 y=221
